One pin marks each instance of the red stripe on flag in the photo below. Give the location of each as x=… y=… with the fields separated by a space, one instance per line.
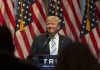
x=1 y=19
x=11 y=17
x=94 y=41
x=24 y=36
x=18 y=48
x=36 y=21
x=70 y=23
x=31 y=29
x=40 y=8
x=78 y=2
x=98 y=31
x=83 y=40
x=75 y=15
x=98 y=13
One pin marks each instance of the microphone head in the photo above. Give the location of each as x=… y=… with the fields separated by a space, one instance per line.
x=49 y=38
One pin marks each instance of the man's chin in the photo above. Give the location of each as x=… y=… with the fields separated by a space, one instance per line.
x=52 y=33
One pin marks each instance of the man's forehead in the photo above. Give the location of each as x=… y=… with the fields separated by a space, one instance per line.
x=52 y=20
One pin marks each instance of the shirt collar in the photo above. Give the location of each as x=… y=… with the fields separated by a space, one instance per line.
x=56 y=36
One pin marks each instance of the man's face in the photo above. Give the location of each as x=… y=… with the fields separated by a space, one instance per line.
x=52 y=26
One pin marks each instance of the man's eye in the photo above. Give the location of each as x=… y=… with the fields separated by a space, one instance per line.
x=48 y=23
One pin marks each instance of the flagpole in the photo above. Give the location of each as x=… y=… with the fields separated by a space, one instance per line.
x=88 y=20
x=88 y=17
x=21 y=19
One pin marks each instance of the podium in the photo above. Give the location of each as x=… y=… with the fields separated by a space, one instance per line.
x=45 y=62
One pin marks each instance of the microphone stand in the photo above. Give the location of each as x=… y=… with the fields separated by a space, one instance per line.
x=49 y=38
x=47 y=41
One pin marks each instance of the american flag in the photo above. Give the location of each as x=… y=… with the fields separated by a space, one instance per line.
x=72 y=18
x=23 y=27
x=73 y=21
x=24 y=39
x=89 y=24
x=89 y=19
x=34 y=25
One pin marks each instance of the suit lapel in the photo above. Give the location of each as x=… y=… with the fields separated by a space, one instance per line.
x=61 y=44
x=45 y=48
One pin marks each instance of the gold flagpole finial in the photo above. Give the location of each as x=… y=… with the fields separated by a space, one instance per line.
x=88 y=17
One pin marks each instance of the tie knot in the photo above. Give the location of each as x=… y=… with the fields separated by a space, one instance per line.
x=53 y=39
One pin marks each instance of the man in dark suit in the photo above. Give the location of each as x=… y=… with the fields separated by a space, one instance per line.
x=42 y=44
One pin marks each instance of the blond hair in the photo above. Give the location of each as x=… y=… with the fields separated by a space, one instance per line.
x=53 y=18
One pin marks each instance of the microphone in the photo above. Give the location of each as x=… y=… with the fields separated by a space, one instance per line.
x=47 y=41
x=49 y=38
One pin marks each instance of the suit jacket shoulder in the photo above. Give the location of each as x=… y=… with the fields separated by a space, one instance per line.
x=64 y=41
x=37 y=46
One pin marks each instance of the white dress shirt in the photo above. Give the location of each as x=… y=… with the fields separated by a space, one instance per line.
x=56 y=38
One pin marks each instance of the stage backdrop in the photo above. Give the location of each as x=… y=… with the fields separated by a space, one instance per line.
x=26 y=19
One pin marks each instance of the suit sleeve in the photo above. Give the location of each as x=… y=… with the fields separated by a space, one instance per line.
x=34 y=49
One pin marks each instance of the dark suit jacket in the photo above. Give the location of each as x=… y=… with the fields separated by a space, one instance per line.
x=38 y=48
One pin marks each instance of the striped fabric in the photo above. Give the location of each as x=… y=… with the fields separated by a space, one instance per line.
x=73 y=21
x=23 y=39
x=90 y=24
